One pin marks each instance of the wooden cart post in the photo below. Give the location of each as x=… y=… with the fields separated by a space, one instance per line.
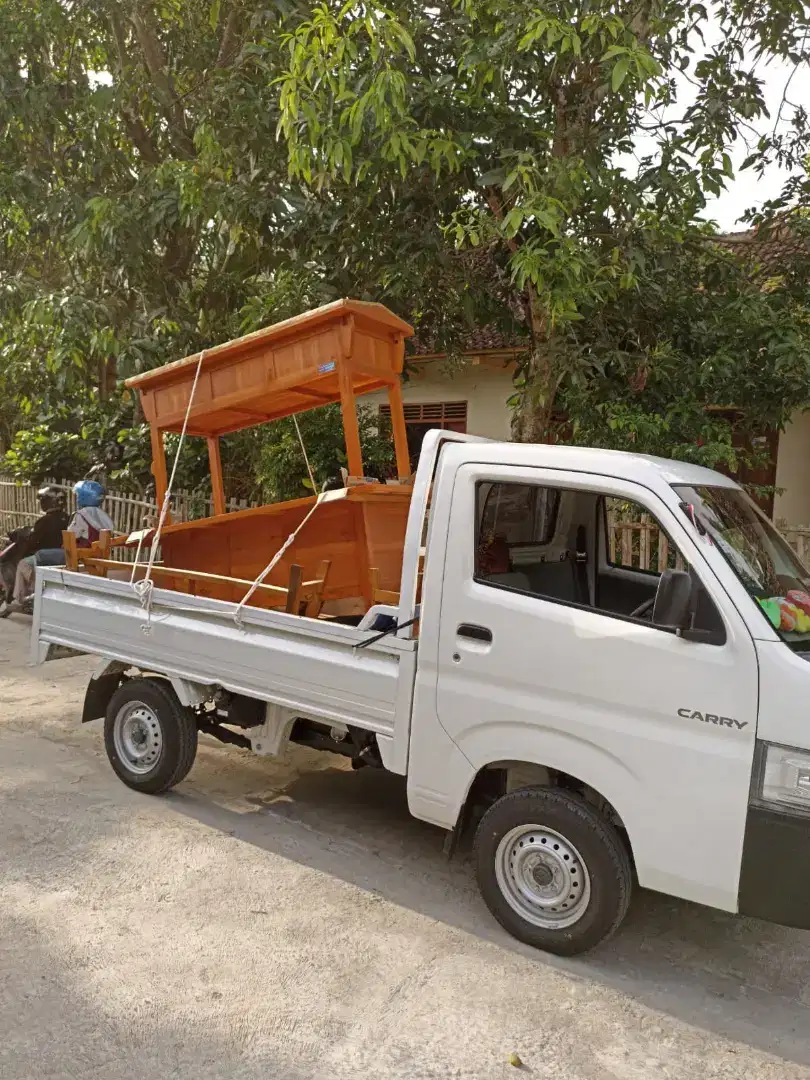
x=399 y=430
x=351 y=430
x=159 y=467
x=217 y=485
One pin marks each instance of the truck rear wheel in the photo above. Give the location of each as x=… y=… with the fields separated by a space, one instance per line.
x=151 y=739
x=553 y=872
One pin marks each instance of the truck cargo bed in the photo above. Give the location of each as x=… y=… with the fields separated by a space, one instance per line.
x=307 y=665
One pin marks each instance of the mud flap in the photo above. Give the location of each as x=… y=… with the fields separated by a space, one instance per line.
x=99 y=691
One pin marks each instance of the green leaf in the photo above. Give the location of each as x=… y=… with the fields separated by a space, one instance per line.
x=620 y=70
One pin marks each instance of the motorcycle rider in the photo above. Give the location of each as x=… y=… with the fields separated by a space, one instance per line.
x=45 y=533
x=89 y=521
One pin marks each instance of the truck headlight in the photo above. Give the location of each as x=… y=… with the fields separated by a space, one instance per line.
x=785 y=776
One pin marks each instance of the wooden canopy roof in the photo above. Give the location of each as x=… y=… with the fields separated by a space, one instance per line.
x=326 y=355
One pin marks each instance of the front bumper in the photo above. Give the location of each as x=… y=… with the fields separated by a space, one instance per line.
x=775 y=872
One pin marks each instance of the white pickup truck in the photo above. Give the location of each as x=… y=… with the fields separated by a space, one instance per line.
x=602 y=723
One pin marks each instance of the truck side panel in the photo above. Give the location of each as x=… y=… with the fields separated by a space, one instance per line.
x=310 y=666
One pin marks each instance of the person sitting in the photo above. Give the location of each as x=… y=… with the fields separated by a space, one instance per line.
x=87 y=524
x=46 y=532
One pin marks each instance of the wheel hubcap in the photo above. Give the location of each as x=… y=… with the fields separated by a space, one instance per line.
x=542 y=876
x=138 y=737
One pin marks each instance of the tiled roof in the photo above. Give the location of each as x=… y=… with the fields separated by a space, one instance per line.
x=767 y=248
x=478 y=340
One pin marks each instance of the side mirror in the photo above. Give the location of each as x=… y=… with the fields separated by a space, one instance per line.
x=675 y=600
x=676 y=603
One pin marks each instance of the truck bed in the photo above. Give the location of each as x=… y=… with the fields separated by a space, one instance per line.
x=311 y=666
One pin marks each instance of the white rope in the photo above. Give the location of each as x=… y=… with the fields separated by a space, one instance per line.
x=145 y=587
x=304 y=451
x=137 y=557
x=275 y=561
x=290 y=539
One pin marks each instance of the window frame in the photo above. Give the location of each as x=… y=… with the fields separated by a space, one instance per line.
x=600 y=541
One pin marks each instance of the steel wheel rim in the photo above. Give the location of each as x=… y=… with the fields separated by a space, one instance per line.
x=542 y=877
x=138 y=737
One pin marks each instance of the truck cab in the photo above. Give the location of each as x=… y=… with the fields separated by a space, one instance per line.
x=622 y=631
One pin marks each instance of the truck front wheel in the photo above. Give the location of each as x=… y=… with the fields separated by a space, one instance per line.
x=150 y=738
x=553 y=872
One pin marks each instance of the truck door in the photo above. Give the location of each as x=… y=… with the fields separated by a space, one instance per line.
x=543 y=657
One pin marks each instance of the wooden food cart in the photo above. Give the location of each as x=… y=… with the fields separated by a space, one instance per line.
x=349 y=554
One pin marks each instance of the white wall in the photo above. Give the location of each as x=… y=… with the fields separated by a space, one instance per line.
x=793 y=472
x=485 y=390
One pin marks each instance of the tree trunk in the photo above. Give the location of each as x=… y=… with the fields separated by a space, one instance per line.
x=532 y=420
x=107 y=377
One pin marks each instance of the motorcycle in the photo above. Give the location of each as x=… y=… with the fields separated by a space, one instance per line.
x=10 y=555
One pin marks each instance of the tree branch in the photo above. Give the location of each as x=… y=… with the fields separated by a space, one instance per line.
x=228 y=44
x=134 y=126
x=158 y=69
x=139 y=135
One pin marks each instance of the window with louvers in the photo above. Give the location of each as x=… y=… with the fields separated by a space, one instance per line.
x=445 y=414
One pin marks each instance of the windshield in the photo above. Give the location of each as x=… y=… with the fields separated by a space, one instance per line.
x=762 y=560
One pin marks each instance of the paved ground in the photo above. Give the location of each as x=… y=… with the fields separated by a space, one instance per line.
x=293 y=922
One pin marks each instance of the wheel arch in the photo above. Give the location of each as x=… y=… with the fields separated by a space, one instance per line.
x=502 y=776
x=109 y=675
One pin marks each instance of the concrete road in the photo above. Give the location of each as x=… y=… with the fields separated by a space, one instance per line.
x=281 y=922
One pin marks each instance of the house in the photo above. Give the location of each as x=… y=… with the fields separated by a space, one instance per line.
x=471 y=394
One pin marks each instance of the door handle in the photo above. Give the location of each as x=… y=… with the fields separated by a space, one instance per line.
x=474 y=633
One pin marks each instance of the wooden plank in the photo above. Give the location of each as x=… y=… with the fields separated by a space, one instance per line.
x=399 y=430
x=663 y=551
x=192 y=575
x=159 y=468
x=351 y=431
x=626 y=543
x=278 y=592
x=611 y=530
x=102 y=547
x=313 y=608
x=644 y=542
x=71 y=550
x=379 y=595
x=293 y=604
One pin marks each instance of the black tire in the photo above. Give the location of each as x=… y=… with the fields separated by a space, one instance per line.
x=172 y=723
x=595 y=841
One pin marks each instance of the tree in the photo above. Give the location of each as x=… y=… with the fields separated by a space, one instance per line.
x=142 y=193
x=524 y=112
x=146 y=211
x=458 y=163
x=709 y=356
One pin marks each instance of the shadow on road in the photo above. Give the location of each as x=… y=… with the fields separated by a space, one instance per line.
x=739 y=978
x=56 y=1030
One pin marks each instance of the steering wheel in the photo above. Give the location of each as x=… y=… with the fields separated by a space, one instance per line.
x=642 y=609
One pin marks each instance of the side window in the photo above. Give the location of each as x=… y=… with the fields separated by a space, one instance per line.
x=524 y=541
x=520 y=513
x=546 y=542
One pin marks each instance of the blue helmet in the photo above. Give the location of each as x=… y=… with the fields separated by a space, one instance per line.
x=88 y=493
